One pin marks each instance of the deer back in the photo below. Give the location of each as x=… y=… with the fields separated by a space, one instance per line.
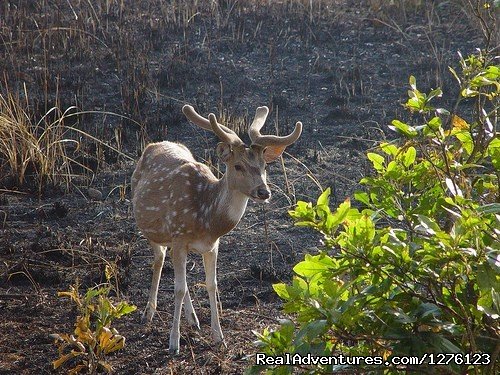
x=175 y=197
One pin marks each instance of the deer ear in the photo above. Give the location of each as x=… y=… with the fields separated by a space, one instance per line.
x=271 y=153
x=224 y=151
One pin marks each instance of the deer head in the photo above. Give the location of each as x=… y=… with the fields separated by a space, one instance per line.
x=246 y=165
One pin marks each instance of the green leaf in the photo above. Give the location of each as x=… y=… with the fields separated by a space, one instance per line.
x=362 y=230
x=311 y=331
x=428 y=309
x=377 y=160
x=495 y=297
x=340 y=214
x=494 y=152
x=491 y=208
x=469 y=93
x=124 y=308
x=443 y=345
x=493 y=72
x=413 y=83
x=409 y=156
x=393 y=169
x=487 y=278
x=313 y=265
x=435 y=123
x=466 y=140
x=427 y=225
x=435 y=93
x=362 y=197
x=287 y=329
x=403 y=128
x=454 y=73
x=401 y=317
x=389 y=148
x=93 y=292
x=323 y=199
x=303 y=212
x=281 y=290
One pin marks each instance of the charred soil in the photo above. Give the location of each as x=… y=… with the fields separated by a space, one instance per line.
x=340 y=67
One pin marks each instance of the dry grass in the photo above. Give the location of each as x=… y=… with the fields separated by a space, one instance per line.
x=46 y=153
x=35 y=152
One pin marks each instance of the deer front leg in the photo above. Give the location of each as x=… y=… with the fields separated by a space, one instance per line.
x=159 y=258
x=210 y=264
x=179 y=259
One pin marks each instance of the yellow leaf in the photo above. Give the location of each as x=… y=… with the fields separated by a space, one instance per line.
x=108 y=272
x=77 y=343
x=65 y=294
x=106 y=366
x=109 y=341
x=82 y=325
x=105 y=337
x=83 y=332
x=77 y=369
x=58 y=362
x=72 y=293
x=117 y=343
x=459 y=123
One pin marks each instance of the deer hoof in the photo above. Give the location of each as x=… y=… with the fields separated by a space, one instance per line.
x=147 y=316
x=194 y=322
x=173 y=351
x=221 y=344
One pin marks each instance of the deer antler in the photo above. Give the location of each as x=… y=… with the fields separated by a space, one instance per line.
x=270 y=140
x=225 y=134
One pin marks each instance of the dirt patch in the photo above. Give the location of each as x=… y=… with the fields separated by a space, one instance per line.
x=340 y=67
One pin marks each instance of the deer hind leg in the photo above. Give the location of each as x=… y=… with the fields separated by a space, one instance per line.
x=179 y=259
x=210 y=264
x=189 y=311
x=159 y=258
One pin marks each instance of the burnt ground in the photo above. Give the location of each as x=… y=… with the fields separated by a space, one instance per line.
x=341 y=67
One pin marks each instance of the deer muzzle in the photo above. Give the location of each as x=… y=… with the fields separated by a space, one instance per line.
x=262 y=193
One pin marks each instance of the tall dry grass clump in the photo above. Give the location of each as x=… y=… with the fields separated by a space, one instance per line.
x=34 y=155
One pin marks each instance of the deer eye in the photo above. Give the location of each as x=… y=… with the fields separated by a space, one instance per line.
x=239 y=168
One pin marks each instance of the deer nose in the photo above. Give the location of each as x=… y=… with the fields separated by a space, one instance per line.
x=263 y=193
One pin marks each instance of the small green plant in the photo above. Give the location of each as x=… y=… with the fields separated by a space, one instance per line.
x=416 y=270
x=93 y=336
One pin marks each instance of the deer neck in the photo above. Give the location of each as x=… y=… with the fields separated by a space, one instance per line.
x=229 y=207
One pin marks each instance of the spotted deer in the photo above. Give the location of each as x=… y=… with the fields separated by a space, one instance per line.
x=179 y=204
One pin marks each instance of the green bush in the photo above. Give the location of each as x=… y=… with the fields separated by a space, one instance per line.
x=416 y=270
